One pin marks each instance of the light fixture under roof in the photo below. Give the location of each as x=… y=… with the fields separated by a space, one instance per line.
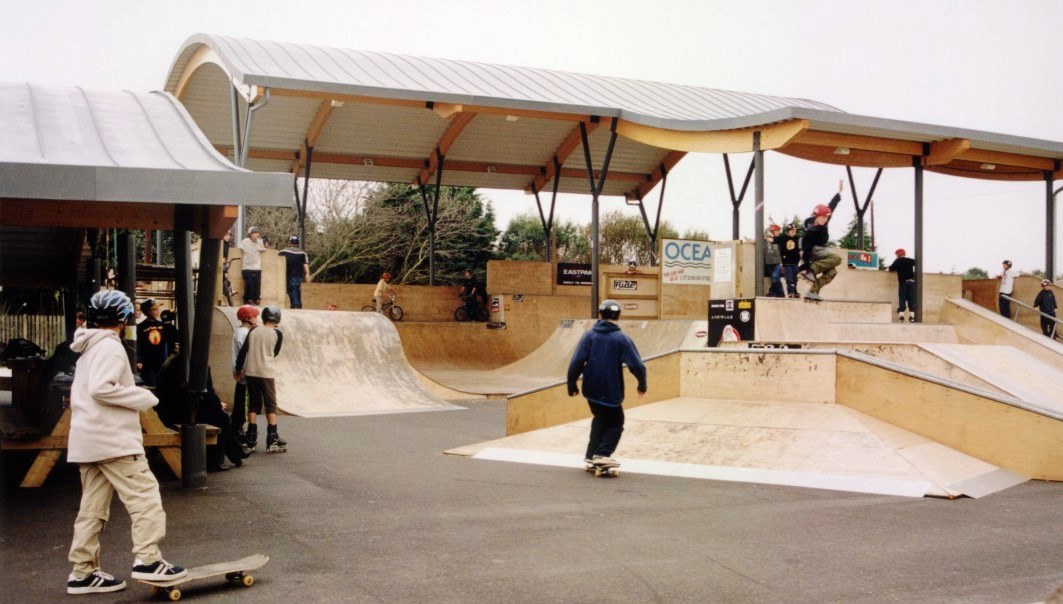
x=842 y=151
x=988 y=166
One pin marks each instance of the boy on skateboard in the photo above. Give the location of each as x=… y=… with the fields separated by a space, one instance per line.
x=255 y=363
x=818 y=263
x=599 y=358
x=106 y=442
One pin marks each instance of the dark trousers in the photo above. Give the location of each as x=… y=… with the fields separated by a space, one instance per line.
x=1005 y=306
x=606 y=428
x=252 y=286
x=776 y=290
x=906 y=296
x=239 y=416
x=1047 y=325
x=789 y=272
x=295 y=291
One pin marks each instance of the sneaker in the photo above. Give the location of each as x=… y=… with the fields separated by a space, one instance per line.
x=602 y=460
x=95 y=583
x=911 y=319
x=807 y=275
x=159 y=570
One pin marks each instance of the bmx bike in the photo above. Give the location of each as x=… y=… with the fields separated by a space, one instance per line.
x=470 y=310
x=226 y=284
x=388 y=309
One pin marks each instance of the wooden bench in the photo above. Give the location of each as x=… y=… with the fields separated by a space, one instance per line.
x=17 y=433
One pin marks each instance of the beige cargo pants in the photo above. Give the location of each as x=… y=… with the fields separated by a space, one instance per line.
x=138 y=490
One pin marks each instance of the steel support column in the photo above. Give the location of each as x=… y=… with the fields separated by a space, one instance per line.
x=758 y=216
x=917 y=163
x=432 y=213
x=1050 y=227
x=127 y=282
x=861 y=209
x=242 y=142
x=548 y=223
x=736 y=201
x=596 y=190
x=651 y=232
x=306 y=196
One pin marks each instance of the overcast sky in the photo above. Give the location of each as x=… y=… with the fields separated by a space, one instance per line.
x=984 y=65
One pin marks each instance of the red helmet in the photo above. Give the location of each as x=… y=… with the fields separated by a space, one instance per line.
x=900 y=251
x=246 y=312
x=775 y=228
x=821 y=210
x=385 y=276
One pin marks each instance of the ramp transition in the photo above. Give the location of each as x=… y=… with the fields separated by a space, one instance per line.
x=332 y=363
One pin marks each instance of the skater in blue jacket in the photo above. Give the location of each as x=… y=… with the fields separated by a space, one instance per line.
x=600 y=357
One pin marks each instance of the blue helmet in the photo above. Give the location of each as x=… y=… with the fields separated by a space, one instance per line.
x=109 y=307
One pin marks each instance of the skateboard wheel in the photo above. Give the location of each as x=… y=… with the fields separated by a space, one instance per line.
x=248 y=580
x=175 y=594
x=597 y=472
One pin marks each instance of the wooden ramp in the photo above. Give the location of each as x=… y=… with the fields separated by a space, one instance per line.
x=811 y=445
x=548 y=364
x=332 y=363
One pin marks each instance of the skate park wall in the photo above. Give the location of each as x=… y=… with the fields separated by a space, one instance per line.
x=986 y=292
x=418 y=302
x=273 y=287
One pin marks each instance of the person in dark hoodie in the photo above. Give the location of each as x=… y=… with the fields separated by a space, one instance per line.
x=599 y=358
x=1046 y=303
x=818 y=264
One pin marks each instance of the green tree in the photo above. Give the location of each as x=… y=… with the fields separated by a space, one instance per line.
x=976 y=273
x=525 y=239
x=849 y=240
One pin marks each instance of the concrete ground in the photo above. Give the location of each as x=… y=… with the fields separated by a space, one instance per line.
x=368 y=509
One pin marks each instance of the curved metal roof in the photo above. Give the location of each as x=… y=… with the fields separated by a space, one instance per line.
x=76 y=144
x=386 y=117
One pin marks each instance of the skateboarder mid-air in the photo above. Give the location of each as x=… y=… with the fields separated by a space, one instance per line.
x=255 y=364
x=818 y=264
x=599 y=358
x=106 y=442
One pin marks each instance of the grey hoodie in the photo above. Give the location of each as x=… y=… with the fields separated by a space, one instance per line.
x=105 y=404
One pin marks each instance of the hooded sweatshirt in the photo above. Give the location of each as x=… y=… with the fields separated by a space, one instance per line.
x=105 y=404
x=600 y=356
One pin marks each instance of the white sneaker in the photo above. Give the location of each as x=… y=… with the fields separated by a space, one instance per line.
x=159 y=570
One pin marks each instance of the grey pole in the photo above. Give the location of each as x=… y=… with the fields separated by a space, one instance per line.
x=917 y=163
x=1050 y=227
x=758 y=216
x=237 y=155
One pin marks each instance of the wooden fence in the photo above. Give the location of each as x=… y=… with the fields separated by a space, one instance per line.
x=45 y=331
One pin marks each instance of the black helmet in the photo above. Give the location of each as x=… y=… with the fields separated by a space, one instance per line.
x=271 y=314
x=109 y=307
x=293 y=240
x=609 y=309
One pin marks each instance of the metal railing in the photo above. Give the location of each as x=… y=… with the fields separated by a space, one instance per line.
x=1056 y=332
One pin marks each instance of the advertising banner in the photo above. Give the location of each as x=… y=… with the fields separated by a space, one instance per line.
x=571 y=273
x=731 y=320
x=686 y=262
x=866 y=260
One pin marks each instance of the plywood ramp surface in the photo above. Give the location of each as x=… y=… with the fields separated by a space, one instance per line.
x=548 y=364
x=797 y=444
x=333 y=363
x=1011 y=370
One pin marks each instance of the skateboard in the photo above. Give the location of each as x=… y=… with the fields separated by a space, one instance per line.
x=608 y=469
x=234 y=571
x=813 y=298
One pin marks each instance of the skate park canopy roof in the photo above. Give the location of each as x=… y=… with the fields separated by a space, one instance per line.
x=72 y=159
x=393 y=118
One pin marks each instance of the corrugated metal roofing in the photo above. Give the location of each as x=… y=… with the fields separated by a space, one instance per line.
x=313 y=68
x=76 y=144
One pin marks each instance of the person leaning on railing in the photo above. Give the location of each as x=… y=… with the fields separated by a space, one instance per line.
x=1046 y=303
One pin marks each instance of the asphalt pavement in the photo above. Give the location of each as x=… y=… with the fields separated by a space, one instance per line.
x=369 y=509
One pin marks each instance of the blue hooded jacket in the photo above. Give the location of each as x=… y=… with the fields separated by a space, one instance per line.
x=600 y=356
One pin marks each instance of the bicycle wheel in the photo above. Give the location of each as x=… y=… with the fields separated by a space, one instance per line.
x=481 y=314
x=227 y=291
x=460 y=315
x=395 y=312
x=368 y=308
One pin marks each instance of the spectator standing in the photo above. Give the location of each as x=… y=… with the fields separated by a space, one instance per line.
x=255 y=363
x=1007 y=286
x=773 y=262
x=297 y=271
x=248 y=317
x=156 y=341
x=251 y=270
x=790 y=247
x=1046 y=303
x=905 y=269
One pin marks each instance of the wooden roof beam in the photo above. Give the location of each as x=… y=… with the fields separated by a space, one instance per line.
x=669 y=163
x=458 y=121
x=324 y=112
x=571 y=142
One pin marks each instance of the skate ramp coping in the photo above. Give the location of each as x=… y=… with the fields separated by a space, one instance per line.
x=548 y=364
x=331 y=363
x=767 y=442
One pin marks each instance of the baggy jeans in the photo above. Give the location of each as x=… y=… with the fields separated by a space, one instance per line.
x=606 y=428
x=138 y=490
x=823 y=267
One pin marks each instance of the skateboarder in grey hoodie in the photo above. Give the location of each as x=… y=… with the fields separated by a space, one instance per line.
x=106 y=442
x=600 y=356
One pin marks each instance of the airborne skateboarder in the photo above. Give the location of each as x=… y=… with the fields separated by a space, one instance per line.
x=818 y=264
x=600 y=357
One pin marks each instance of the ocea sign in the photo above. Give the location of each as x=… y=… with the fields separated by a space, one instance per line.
x=686 y=261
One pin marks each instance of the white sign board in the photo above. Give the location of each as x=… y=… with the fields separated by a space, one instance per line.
x=686 y=262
